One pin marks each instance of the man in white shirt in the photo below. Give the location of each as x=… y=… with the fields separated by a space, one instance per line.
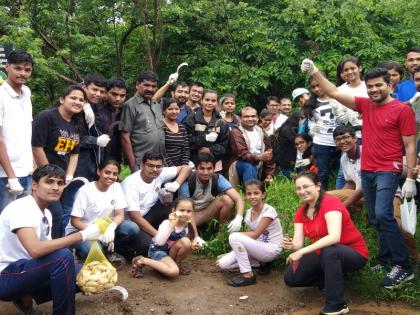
x=141 y=191
x=16 y=162
x=31 y=264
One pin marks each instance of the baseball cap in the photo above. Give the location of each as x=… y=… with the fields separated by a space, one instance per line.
x=298 y=92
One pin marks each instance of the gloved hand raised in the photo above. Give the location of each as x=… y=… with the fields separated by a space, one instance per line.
x=308 y=66
x=172 y=78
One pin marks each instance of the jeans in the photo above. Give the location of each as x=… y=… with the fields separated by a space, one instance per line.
x=379 y=189
x=52 y=277
x=327 y=159
x=326 y=270
x=6 y=197
x=124 y=233
x=246 y=171
x=286 y=171
x=61 y=209
x=340 y=181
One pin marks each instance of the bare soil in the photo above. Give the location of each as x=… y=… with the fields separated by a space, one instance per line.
x=205 y=292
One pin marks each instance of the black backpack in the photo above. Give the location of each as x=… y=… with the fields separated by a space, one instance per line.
x=192 y=184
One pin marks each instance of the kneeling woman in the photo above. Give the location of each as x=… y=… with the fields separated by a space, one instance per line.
x=104 y=199
x=260 y=244
x=336 y=247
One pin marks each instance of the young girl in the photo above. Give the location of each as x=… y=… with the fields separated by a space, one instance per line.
x=177 y=145
x=261 y=243
x=228 y=104
x=164 y=251
x=304 y=156
x=104 y=199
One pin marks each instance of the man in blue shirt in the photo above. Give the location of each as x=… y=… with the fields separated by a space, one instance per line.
x=406 y=89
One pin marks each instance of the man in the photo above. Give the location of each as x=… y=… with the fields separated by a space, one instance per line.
x=142 y=190
x=180 y=92
x=15 y=129
x=300 y=95
x=285 y=108
x=248 y=149
x=406 y=89
x=196 y=95
x=414 y=102
x=213 y=196
x=389 y=127
x=108 y=114
x=92 y=141
x=351 y=194
x=272 y=105
x=207 y=132
x=31 y=264
x=141 y=122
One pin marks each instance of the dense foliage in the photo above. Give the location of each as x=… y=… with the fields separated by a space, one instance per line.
x=252 y=48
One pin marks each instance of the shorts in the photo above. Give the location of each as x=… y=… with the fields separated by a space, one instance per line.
x=157 y=254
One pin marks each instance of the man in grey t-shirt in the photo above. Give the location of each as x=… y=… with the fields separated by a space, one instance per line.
x=141 y=122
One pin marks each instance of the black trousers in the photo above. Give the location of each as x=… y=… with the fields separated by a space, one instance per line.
x=326 y=270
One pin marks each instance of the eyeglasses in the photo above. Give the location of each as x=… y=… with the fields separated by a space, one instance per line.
x=153 y=166
x=46 y=225
x=342 y=138
x=304 y=187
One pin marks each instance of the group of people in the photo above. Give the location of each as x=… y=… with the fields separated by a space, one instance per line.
x=188 y=153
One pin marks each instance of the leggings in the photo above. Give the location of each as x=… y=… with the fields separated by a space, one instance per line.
x=247 y=252
x=326 y=270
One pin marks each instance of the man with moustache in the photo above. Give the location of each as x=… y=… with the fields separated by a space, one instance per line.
x=141 y=123
x=406 y=89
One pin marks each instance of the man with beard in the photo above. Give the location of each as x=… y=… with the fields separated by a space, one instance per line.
x=389 y=127
x=406 y=89
x=180 y=92
x=141 y=122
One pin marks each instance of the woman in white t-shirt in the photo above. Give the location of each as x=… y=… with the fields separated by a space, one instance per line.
x=261 y=243
x=102 y=199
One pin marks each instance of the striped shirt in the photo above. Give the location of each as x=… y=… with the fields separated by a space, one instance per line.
x=177 y=146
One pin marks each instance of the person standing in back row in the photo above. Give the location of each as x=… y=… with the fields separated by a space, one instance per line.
x=391 y=128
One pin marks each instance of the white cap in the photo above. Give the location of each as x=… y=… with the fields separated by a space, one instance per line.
x=298 y=92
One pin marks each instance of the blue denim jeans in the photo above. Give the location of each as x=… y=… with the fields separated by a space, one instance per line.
x=379 y=189
x=6 y=197
x=52 y=277
x=124 y=233
x=340 y=180
x=246 y=171
x=327 y=159
x=61 y=209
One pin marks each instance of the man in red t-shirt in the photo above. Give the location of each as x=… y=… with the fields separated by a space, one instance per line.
x=389 y=127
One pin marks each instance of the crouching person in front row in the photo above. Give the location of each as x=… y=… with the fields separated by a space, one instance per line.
x=31 y=264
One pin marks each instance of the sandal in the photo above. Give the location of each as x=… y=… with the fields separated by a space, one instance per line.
x=116 y=260
x=184 y=270
x=137 y=267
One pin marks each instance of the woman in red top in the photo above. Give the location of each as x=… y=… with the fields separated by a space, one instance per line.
x=336 y=246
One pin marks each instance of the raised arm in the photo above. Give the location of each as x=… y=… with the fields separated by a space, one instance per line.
x=330 y=89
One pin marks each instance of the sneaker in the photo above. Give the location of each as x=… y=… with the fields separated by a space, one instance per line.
x=342 y=310
x=241 y=281
x=378 y=267
x=397 y=276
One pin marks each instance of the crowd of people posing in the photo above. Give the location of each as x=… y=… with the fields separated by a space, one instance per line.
x=188 y=154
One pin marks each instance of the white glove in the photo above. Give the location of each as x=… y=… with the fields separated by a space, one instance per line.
x=172 y=78
x=200 y=242
x=212 y=136
x=342 y=116
x=89 y=115
x=409 y=189
x=69 y=178
x=102 y=140
x=109 y=234
x=315 y=128
x=236 y=224
x=303 y=162
x=415 y=98
x=308 y=66
x=172 y=186
x=91 y=233
x=14 y=186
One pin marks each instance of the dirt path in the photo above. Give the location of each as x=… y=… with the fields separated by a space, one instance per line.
x=205 y=292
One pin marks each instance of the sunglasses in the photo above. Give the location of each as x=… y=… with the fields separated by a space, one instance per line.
x=46 y=225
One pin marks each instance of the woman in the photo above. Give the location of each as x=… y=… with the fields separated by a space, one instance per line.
x=322 y=122
x=55 y=140
x=177 y=145
x=283 y=144
x=228 y=104
x=102 y=199
x=336 y=246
